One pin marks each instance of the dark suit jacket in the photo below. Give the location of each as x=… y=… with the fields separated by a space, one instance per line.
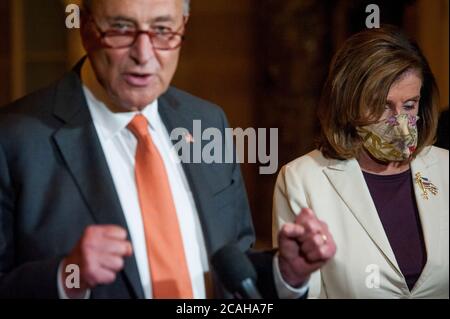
x=54 y=182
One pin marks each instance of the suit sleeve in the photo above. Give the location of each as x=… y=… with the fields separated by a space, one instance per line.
x=29 y=280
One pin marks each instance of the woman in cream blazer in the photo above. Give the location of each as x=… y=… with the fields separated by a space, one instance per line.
x=337 y=192
x=334 y=180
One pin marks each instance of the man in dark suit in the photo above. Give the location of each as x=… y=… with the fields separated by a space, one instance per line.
x=87 y=177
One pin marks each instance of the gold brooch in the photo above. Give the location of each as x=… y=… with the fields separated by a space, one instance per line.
x=426 y=186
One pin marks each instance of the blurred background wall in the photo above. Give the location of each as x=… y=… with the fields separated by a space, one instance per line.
x=263 y=61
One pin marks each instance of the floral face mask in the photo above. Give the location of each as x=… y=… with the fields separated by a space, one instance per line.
x=391 y=140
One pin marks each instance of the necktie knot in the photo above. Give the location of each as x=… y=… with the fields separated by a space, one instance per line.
x=139 y=126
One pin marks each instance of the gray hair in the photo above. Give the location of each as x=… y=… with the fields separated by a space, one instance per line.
x=186 y=6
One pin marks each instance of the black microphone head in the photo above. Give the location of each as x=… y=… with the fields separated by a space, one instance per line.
x=233 y=267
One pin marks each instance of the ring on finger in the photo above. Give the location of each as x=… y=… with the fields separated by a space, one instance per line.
x=324 y=238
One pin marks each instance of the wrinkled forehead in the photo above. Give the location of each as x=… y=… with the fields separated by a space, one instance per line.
x=141 y=11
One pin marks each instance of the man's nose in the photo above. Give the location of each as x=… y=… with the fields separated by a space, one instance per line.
x=142 y=50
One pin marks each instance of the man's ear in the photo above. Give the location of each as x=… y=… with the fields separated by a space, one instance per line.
x=186 y=19
x=84 y=30
x=89 y=35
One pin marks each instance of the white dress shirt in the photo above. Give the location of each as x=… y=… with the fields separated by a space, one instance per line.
x=119 y=146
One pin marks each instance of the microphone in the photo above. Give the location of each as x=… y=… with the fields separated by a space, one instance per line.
x=236 y=272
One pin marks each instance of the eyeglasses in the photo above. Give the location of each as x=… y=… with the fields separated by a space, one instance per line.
x=161 y=40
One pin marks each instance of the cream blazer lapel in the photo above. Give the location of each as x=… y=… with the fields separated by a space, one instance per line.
x=348 y=181
x=431 y=208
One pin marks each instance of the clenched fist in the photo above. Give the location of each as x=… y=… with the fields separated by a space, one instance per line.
x=100 y=256
x=304 y=247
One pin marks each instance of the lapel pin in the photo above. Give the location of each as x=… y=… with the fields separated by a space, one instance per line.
x=189 y=138
x=426 y=186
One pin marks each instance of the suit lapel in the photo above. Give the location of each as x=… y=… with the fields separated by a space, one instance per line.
x=173 y=117
x=348 y=181
x=429 y=212
x=81 y=150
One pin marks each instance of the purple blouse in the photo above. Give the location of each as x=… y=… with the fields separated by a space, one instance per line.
x=395 y=201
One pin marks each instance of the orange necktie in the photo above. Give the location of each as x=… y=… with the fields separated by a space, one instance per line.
x=168 y=266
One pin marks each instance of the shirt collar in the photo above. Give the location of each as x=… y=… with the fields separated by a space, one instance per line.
x=109 y=123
